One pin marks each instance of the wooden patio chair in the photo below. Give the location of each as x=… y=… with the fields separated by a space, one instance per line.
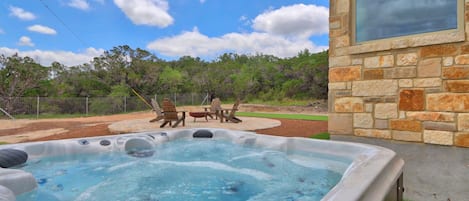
x=215 y=108
x=156 y=108
x=230 y=116
x=171 y=114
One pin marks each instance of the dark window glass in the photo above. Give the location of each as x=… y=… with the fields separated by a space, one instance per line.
x=378 y=19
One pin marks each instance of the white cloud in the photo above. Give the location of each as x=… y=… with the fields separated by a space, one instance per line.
x=21 y=13
x=245 y=20
x=42 y=29
x=1 y=31
x=64 y=57
x=146 y=12
x=297 y=20
x=283 y=32
x=198 y=45
x=202 y=1
x=25 y=41
x=80 y=4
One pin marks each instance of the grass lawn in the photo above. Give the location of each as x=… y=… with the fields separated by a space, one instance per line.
x=324 y=135
x=321 y=136
x=283 y=116
x=284 y=102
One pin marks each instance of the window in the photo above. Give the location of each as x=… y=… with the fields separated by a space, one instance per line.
x=381 y=19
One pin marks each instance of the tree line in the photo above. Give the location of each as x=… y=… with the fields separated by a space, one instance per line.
x=119 y=70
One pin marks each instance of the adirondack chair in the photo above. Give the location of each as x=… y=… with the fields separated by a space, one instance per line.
x=230 y=116
x=156 y=108
x=215 y=108
x=171 y=114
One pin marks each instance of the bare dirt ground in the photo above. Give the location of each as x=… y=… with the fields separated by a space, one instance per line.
x=14 y=131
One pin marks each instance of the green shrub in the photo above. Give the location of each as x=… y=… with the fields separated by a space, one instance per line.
x=108 y=105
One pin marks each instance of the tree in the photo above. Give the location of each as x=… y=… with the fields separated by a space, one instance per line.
x=121 y=68
x=113 y=66
x=17 y=75
x=144 y=70
x=80 y=81
x=170 y=80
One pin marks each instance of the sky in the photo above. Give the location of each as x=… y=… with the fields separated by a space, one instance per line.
x=72 y=32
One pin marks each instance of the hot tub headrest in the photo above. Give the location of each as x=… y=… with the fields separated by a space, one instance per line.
x=12 y=157
x=202 y=134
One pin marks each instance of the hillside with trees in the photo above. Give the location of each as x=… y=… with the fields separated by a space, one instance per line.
x=119 y=70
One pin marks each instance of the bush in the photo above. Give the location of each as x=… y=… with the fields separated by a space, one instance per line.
x=107 y=105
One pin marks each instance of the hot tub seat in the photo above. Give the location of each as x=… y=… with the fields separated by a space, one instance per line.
x=18 y=181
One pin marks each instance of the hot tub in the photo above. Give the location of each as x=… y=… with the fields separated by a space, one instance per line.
x=348 y=171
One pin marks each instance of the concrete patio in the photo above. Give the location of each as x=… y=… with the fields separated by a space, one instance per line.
x=140 y=125
x=431 y=172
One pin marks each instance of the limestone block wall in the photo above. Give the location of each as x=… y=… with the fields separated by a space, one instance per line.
x=410 y=89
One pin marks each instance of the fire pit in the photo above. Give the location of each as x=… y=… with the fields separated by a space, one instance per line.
x=199 y=115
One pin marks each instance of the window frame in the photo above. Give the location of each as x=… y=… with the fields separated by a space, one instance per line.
x=460 y=27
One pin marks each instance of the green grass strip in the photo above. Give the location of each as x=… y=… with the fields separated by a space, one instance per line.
x=321 y=136
x=283 y=116
x=285 y=102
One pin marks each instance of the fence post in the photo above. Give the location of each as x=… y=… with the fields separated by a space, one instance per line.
x=37 y=108
x=205 y=99
x=86 y=106
x=125 y=104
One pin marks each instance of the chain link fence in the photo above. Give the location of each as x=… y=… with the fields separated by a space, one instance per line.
x=87 y=106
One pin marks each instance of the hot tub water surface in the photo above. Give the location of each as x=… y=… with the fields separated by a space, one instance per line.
x=183 y=170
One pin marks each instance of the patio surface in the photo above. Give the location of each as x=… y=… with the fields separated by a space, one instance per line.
x=140 y=125
x=431 y=172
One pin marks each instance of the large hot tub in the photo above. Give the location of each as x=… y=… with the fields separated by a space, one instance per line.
x=201 y=164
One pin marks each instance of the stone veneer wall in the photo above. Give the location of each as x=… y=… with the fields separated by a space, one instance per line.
x=410 y=89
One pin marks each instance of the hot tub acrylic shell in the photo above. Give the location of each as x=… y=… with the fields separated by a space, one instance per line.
x=371 y=175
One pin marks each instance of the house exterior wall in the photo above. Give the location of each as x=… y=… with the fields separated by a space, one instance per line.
x=409 y=88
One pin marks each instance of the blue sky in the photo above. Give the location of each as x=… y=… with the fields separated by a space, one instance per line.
x=72 y=32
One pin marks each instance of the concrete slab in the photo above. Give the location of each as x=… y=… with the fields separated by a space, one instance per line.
x=140 y=125
x=431 y=172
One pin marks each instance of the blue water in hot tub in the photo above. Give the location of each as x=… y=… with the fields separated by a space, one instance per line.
x=185 y=170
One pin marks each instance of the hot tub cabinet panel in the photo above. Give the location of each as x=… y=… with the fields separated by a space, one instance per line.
x=374 y=173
